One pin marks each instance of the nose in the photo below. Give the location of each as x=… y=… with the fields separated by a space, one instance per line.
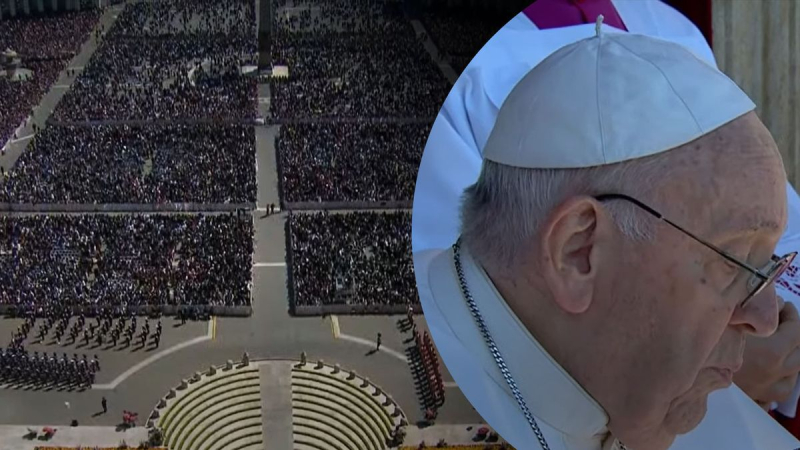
x=760 y=315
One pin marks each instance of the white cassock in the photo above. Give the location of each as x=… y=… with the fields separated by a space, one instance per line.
x=569 y=417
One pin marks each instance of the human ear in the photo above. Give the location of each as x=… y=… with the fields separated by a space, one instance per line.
x=572 y=242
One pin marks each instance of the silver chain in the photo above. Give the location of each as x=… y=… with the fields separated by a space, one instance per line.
x=498 y=358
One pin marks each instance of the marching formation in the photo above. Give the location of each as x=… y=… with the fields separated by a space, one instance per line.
x=19 y=368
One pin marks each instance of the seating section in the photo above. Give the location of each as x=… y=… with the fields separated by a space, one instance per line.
x=218 y=412
x=336 y=410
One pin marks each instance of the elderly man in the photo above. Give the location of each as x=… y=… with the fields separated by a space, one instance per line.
x=460 y=132
x=571 y=312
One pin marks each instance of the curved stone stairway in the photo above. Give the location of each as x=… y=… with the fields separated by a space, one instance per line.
x=337 y=410
x=218 y=410
x=312 y=406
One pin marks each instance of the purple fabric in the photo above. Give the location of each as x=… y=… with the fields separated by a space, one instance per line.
x=564 y=13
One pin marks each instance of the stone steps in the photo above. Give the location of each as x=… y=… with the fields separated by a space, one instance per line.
x=335 y=410
x=328 y=426
x=217 y=412
x=347 y=412
x=253 y=442
x=243 y=397
x=240 y=427
x=176 y=407
x=350 y=389
x=204 y=430
x=305 y=429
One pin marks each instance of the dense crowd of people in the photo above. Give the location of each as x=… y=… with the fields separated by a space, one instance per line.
x=155 y=79
x=125 y=261
x=348 y=161
x=345 y=63
x=122 y=164
x=193 y=17
x=180 y=59
x=44 y=45
x=47 y=37
x=349 y=16
x=361 y=258
x=18 y=97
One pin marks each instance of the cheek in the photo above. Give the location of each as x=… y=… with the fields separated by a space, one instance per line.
x=691 y=318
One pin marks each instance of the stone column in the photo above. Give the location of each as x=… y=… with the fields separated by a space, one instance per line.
x=12 y=8
x=54 y=4
x=756 y=44
x=40 y=5
x=26 y=7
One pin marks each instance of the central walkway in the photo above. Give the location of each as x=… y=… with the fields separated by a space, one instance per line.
x=276 y=404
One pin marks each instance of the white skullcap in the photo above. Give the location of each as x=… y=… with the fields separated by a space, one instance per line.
x=611 y=98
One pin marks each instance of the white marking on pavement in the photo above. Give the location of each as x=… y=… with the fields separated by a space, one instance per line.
x=270 y=264
x=62 y=86
x=24 y=138
x=450 y=384
x=141 y=365
x=371 y=344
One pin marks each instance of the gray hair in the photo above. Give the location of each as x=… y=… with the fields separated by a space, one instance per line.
x=504 y=209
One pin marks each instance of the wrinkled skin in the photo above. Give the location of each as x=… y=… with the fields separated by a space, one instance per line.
x=666 y=312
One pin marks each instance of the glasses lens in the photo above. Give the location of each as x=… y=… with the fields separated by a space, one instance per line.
x=782 y=265
x=777 y=269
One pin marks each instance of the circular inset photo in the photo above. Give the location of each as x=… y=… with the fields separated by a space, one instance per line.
x=603 y=238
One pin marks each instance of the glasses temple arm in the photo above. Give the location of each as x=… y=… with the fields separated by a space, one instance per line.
x=659 y=216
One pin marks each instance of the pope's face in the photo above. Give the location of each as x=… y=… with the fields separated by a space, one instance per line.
x=682 y=301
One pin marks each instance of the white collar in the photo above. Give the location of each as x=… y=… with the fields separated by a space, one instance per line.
x=551 y=394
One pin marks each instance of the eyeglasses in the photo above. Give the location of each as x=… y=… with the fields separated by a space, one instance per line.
x=760 y=278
